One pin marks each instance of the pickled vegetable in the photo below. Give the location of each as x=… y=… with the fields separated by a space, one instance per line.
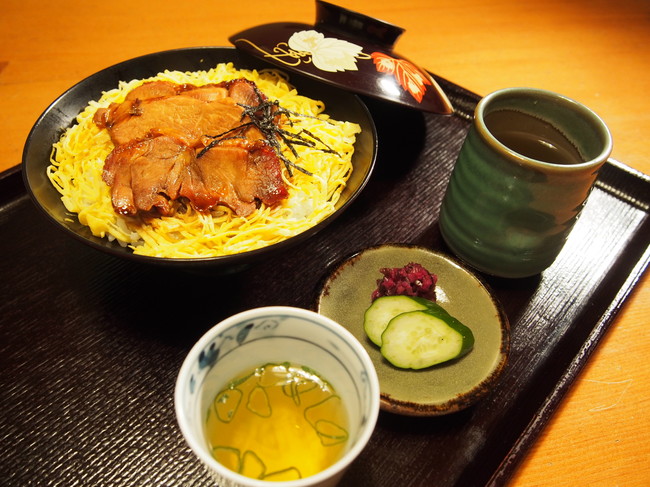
x=384 y=309
x=423 y=338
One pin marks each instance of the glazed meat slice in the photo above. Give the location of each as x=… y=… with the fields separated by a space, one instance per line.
x=188 y=111
x=186 y=116
x=147 y=174
x=237 y=173
x=161 y=127
x=208 y=93
x=153 y=89
x=244 y=92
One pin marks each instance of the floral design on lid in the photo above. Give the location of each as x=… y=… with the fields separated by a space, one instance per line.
x=327 y=53
x=408 y=75
x=336 y=55
x=348 y=50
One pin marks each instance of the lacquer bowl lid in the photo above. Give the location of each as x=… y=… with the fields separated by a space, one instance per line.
x=348 y=50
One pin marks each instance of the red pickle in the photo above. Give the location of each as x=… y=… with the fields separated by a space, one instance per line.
x=410 y=280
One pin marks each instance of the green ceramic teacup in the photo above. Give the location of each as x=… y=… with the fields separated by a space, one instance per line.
x=524 y=172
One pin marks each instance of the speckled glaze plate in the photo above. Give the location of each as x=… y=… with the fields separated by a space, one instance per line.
x=440 y=389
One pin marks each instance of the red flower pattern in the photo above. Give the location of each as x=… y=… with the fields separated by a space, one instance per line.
x=408 y=75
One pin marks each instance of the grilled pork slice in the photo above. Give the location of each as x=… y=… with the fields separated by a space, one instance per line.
x=192 y=111
x=161 y=127
x=237 y=173
x=186 y=115
x=147 y=174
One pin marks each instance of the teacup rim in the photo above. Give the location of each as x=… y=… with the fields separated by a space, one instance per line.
x=319 y=478
x=597 y=121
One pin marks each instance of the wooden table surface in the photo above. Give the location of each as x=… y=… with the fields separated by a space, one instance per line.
x=595 y=51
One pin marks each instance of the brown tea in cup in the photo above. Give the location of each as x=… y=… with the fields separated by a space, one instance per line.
x=532 y=137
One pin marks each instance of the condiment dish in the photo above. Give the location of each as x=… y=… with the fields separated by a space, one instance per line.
x=437 y=390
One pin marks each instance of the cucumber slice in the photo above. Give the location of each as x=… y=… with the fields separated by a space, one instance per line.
x=384 y=309
x=420 y=339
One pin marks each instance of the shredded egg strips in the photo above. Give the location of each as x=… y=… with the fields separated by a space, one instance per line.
x=77 y=164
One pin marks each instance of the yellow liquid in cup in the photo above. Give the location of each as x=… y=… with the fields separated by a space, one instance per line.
x=277 y=422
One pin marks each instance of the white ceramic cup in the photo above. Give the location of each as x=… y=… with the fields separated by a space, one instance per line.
x=277 y=334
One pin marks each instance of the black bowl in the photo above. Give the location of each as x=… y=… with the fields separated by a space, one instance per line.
x=62 y=113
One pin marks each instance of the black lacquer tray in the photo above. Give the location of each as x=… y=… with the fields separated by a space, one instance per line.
x=90 y=345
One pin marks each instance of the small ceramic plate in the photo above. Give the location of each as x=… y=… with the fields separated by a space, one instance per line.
x=440 y=389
